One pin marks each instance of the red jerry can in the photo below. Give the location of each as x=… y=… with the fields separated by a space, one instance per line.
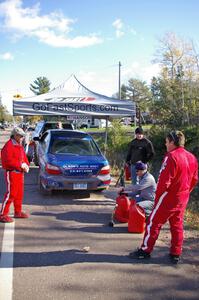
x=121 y=213
x=127 y=172
x=136 y=223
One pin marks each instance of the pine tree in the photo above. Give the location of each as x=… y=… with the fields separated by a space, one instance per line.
x=40 y=86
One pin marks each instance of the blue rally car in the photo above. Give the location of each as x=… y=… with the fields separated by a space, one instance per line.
x=71 y=160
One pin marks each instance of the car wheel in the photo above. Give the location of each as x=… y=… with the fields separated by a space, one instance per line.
x=99 y=191
x=43 y=190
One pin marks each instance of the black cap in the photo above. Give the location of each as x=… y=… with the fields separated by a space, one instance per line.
x=139 y=130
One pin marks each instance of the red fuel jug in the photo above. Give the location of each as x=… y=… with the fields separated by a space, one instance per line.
x=136 y=223
x=127 y=172
x=121 y=213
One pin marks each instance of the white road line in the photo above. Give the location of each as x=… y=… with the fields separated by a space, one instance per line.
x=6 y=262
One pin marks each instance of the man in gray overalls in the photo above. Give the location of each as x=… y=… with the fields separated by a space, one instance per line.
x=143 y=192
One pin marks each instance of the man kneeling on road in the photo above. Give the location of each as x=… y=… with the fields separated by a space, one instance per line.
x=144 y=191
x=15 y=163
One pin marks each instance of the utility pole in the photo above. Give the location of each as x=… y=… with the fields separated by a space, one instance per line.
x=119 y=86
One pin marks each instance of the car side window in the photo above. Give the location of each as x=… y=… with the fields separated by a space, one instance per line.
x=38 y=128
x=45 y=140
x=46 y=127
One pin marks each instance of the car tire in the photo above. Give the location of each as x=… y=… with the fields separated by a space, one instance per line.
x=99 y=191
x=43 y=190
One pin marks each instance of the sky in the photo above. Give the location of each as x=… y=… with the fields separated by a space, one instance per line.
x=87 y=38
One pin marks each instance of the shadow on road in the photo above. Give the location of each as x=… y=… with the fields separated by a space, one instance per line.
x=65 y=257
x=66 y=198
x=88 y=218
x=77 y=216
x=32 y=196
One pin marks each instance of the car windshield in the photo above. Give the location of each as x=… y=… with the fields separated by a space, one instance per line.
x=74 y=146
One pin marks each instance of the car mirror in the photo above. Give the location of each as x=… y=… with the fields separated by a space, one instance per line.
x=36 y=138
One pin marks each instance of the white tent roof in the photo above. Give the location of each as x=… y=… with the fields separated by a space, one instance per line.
x=73 y=98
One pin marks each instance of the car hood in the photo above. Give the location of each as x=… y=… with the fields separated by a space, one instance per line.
x=78 y=165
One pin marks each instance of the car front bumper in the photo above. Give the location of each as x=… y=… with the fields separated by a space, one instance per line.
x=57 y=182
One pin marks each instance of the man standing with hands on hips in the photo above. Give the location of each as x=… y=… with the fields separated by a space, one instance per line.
x=15 y=163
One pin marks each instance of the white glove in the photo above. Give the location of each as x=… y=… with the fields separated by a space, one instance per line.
x=25 y=167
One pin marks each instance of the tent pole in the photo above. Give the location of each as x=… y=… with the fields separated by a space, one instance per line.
x=106 y=136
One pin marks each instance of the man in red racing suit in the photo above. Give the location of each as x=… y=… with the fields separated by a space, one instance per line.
x=178 y=176
x=15 y=163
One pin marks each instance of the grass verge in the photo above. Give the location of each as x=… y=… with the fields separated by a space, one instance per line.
x=192 y=219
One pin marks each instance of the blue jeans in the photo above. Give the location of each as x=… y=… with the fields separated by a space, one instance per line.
x=134 y=178
x=147 y=205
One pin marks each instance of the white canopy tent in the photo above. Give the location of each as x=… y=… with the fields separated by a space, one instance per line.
x=72 y=99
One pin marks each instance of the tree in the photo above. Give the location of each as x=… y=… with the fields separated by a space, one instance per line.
x=4 y=114
x=123 y=93
x=40 y=86
x=175 y=90
x=139 y=93
x=117 y=144
x=33 y=119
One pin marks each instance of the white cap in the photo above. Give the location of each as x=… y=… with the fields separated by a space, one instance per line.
x=18 y=130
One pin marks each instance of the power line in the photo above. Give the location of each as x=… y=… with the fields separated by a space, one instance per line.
x=119 y=93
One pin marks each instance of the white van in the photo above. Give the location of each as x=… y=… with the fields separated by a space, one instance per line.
x=88 y=122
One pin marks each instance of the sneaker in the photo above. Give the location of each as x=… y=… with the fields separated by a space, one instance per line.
x=139 y=254
x=21 y=215
x=6 y=219
x=174 y=258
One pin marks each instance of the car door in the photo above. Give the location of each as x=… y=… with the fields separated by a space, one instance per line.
x=42 y=150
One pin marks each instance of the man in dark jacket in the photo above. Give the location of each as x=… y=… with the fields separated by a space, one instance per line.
x=140 y=149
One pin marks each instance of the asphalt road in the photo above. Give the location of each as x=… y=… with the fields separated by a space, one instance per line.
x=49 y=261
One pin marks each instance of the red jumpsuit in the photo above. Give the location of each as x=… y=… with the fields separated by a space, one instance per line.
x=178 y=176
x=12 y=156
